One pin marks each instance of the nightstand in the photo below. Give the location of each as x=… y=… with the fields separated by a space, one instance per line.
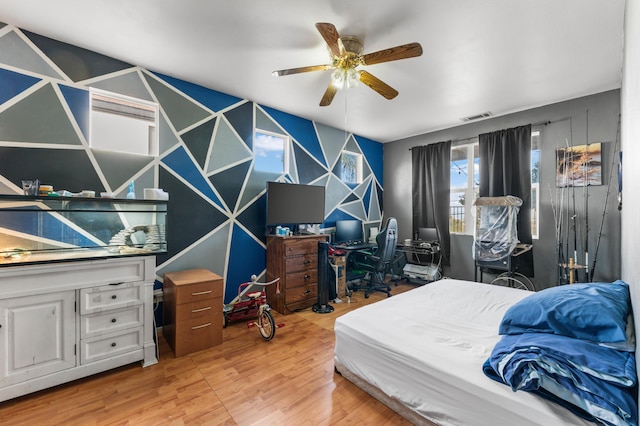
x=192 y=310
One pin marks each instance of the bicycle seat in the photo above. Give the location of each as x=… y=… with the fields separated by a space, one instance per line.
x=254 y=295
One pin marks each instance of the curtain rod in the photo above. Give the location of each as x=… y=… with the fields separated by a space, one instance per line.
x=542 y=123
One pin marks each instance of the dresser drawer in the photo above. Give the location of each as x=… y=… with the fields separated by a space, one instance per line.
x=111 y=320
x=106 y=346
x=200 y=291
x=301 y=263
x=199 y=309
x=297 y=279
x=198 y=334
x=297 y=294
x=296 y=247
x=109 y=297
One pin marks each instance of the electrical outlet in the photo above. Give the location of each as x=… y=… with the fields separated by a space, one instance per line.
x=157 y=295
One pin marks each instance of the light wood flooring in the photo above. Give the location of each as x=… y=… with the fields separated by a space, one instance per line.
x=289 y=380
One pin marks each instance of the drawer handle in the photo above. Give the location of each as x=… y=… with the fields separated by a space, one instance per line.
x=114 y=297
x=200 y=293
x=307 y=262
x=307 y=276
x=201 y=326
x=200 y=310
x=113 y=320
x=307 y=291
x=113 y=345
x=117 y=283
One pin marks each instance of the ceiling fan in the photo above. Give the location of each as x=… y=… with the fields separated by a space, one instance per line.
x=347 y=60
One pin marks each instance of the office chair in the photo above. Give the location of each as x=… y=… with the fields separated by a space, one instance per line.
x=377 y=262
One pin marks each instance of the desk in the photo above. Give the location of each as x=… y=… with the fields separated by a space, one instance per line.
x=351 y=247
x=348 y=250
x=423 y=261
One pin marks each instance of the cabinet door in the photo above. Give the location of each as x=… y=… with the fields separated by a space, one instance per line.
x=37 y=336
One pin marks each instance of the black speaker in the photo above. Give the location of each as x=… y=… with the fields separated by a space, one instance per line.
x=324 y=278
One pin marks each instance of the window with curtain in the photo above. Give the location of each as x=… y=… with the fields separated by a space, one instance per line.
x=464 y=170
x=465 y=183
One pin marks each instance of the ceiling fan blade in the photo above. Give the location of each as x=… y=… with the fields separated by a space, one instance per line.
x=330 y=35
x=378 y=85
x=328 y=95
x=405 y=51
x=280 y=73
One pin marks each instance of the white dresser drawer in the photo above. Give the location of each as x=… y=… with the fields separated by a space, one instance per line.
x=106 y=346
x=106 y=297
x=111 y=321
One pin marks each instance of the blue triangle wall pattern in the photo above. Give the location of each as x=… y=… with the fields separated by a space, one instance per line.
x=231 y=196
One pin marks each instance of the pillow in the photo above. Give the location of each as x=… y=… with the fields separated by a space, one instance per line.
x=595 y=311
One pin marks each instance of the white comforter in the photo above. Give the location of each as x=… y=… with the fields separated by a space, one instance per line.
x=426 y=347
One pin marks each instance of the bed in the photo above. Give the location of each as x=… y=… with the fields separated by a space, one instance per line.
x=422 y=353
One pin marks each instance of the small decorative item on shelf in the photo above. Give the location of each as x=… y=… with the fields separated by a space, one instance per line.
x=155 y=194
x=45 y=190
x=132 y=191
x=30 y=186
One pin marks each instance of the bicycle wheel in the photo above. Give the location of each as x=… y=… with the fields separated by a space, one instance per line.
x=515 y=280
x=267 y=325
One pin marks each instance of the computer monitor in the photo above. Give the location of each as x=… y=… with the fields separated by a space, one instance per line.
x=348 y=230
x=428 y=234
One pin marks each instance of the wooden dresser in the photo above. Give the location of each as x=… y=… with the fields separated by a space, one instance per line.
x=192 y=310
x=295 y=261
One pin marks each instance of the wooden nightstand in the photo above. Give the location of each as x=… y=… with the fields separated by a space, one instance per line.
x=192 y=310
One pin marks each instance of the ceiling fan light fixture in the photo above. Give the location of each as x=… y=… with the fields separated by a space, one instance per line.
x=347 y=78
x=347 y=61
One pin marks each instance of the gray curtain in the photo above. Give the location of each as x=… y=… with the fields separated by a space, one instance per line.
x=430 y=188
x=505 y=169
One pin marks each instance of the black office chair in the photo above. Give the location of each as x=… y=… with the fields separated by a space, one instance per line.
x=377 y=262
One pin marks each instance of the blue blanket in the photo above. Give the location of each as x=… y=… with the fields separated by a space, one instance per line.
x=593 y=381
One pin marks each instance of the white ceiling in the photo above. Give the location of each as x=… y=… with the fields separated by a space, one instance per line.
x=500 y=56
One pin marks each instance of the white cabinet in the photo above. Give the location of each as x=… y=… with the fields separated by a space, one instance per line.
x=63 y=321
x=38 y=336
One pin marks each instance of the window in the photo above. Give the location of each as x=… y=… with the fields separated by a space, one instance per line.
x=122 y=123
x=465 y=185
x=465 y=181
x=270 y=152
x=351 y=169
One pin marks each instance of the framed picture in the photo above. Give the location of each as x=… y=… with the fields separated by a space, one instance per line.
x=579 y=165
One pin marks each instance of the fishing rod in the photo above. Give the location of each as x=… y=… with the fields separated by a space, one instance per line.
x=573 y=201
x=585 y=193
x=606 y=200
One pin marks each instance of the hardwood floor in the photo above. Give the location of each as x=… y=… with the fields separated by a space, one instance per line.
x=289 y=380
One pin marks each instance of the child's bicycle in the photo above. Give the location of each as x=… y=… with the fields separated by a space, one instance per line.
x=252 y=302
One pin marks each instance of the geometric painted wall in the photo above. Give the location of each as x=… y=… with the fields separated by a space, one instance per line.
x=217 y=201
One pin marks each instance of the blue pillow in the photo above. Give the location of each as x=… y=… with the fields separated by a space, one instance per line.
x=596 y=312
